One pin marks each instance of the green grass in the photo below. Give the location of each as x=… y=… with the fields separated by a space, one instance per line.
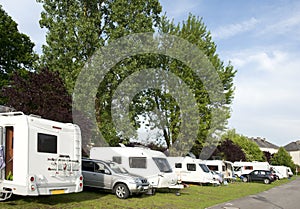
x=192 y=197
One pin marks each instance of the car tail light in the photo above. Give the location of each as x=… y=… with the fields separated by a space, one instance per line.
x=31 y=178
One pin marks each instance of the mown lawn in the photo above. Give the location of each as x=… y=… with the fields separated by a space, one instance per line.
x=194 y=196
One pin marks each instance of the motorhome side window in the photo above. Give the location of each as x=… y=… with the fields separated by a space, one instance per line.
x=191 y=167
x=47 y=143
x=137 y=162
x=117 y=159
x=248 y=167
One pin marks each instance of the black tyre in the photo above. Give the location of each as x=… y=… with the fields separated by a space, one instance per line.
x=266 y=181
x=121 y=191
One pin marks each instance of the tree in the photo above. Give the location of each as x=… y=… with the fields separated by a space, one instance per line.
x=250 y=148
x=41 y=93
x=227 y=150
x=77 y=28
x=282 y=157
x=268 y=156
x=16 y=51
x=164 y=108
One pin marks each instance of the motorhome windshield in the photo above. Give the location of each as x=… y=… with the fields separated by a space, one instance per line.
x=237 y=168
x=162 y=164
x=204 y=168
x=116 y=168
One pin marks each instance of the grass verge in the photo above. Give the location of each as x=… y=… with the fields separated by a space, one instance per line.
x=192 y=197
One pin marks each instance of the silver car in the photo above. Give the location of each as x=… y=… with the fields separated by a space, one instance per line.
x=113 y=177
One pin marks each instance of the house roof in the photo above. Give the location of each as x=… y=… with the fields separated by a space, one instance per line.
x=293 y=146
x=263 y=143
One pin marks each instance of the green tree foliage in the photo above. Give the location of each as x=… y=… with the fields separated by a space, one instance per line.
x=157 y=106
x=250 y=148
x=77 y=28
x=194 y=31
x=16 y=51
x=282 y=157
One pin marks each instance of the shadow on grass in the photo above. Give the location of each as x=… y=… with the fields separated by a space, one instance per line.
x=52 y=200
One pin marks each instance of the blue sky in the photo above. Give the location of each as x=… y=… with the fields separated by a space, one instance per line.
x=261 y=38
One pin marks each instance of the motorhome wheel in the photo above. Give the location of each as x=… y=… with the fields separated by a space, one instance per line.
x=121 y=191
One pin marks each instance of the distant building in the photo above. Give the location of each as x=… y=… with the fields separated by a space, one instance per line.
x=264 y=145
x=293 y=149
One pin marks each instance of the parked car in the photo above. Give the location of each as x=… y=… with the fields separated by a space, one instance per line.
x=111 y=176
x=265 y=176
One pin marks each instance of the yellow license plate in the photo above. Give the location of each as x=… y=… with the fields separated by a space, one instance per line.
x=61 y=191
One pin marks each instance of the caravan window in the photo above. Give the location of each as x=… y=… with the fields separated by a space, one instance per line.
x=162 y=164
x=213 y=167
x=191 y=167
x=178 y=165
x=137 y=162
x=47 y=143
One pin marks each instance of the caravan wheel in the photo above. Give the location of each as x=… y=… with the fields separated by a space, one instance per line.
x=121 y=191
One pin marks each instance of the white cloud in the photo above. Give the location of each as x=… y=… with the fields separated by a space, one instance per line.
x=289 y=25
x=267 y=97
x=231 y=30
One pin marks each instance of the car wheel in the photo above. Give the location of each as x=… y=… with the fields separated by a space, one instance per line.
x=266 y=181
x=245 y=179
x=121 y=191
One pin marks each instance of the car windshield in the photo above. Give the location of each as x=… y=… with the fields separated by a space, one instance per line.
x=117 y=168
x=162 y=164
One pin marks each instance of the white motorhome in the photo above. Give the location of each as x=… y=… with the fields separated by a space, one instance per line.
x=38 y=156
x=192 y=170
x=241 y=168
x=223 y=167
x=145 y=162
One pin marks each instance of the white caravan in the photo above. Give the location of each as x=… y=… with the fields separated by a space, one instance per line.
x=145 y=162
x=192 y=170
x=220 y=166
x=282 y=171
x=38 y=156
x=241 y=168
